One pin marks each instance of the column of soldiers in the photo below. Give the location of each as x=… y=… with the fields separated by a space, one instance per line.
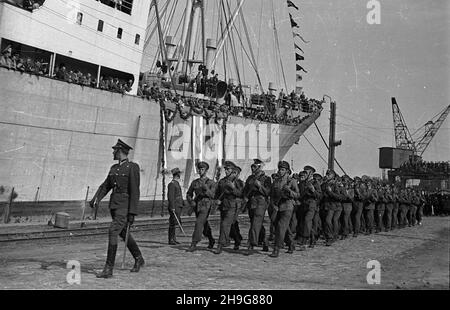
x=302 y=208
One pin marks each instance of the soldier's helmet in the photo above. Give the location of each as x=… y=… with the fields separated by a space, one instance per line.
x=357 y=179
x=122 y=146
x=202 y=164
x=331 y=173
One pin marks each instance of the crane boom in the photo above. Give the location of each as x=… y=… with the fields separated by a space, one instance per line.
x=430 y=132
x=403 y=139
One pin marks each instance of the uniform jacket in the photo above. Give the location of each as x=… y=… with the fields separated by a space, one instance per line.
x=228 y=191
x=257 y=196
x=123 y=179
x=174 y=195
x=283 y=193
x=202 y=188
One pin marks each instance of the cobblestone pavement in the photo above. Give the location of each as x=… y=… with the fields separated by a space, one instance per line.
x=411 y=258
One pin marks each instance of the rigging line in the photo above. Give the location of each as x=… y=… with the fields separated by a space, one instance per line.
x=255 y=64
x=259 y=34
x=321 y=136
x=102 y=12
x=315 y=149
x=279 y=51
x=225 y=45
x=233 y=49
x=75 y=37
x=364 y=137
x=150 y=36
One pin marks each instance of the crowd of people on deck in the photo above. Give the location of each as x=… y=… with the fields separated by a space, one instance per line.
x=426 y=167
x=13 y=61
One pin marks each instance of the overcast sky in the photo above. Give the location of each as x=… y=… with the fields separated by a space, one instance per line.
x=361 y=67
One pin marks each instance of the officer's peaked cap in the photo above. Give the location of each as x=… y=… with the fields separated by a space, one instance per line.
x=257 y=161
x=122 y=145
x=202 y=164
x=229 y=164
x=306 y=168
x=302 y=173
x=237 y=169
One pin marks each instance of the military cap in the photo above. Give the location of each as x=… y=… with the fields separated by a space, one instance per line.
x=317 y=176
x=123 y=146
x=229 y=164
x=302 y=173
x=295 y=175
x=331 y=171
x=175 y=171
x=347 y=178
x=202 y=164
x=357 y=179
x=257 y=161
x=309 y=168
x=284 y=164
x=237 y=169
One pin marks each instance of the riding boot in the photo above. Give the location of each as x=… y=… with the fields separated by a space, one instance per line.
x=110 y=260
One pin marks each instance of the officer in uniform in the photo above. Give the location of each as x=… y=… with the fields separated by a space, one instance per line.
x=257 y=190
x=284 y=191
x=204 y=190
x=123 y=179
x=359 y=195
x=235 y=232
x=175 y=199
x=308 y=197
x=340 y=197
x=228 y=190
x=347 y=205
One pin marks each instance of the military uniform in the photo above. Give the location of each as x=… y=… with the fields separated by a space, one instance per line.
x=283 y=192
x=256 y=190
x=404 y=205
x=415 y=202
x=329 y=208
x=204 y=190
x=395 y=208
x=389 y=208
x=228 y=190
x=340 y=197
x=317 y=224
x=369 y=207
x=380 y=208
x=308 y=197
x=358 y=204
x=175 y=200
x=347 y=206
x=124 y=180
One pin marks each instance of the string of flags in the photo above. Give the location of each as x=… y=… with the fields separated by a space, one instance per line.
x=295 y=34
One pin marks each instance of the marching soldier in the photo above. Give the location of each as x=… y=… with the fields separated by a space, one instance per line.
x=329 y=207
x=404 y=204
x=340 y=197
x=175 y=199
x=257 y=190
x=123 y=179
x=284 y=191
x=317 y=224
x=272 y=212
x=389 y=207
x=380 y=207
x=395 y=208
x=422 y=202
x=349 y=195
x=228 y=189
x=204 y=190
x=358 y=204
x=415 y=202
x=235 y=232
x=308 y=197
x=369 y=206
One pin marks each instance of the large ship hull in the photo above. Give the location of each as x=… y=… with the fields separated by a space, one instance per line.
x=56 y=138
